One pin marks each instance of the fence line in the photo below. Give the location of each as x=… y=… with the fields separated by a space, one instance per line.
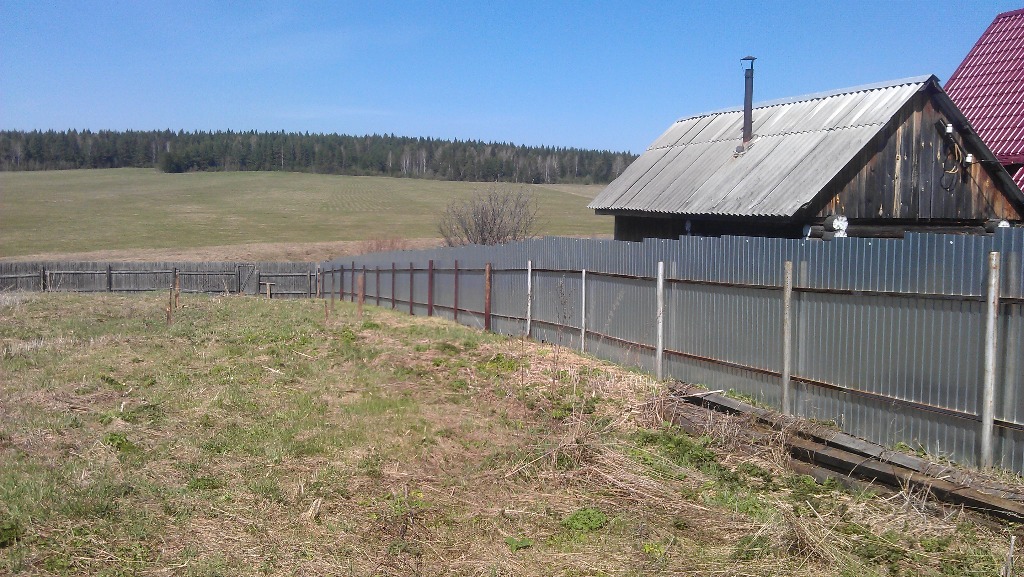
x=285 y=279
x=913 y=341
x=910 y=341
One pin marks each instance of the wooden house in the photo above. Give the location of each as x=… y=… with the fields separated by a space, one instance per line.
x=876 y=160
x=988 y=87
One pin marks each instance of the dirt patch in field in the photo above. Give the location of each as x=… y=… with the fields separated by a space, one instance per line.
x=252 y=252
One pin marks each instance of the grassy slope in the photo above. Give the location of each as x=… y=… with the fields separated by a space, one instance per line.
x=84 y=210
x=257 y=437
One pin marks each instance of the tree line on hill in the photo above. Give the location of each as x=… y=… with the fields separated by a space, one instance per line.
x=370 y=155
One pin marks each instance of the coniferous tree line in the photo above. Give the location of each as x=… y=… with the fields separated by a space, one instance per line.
x=370 y=155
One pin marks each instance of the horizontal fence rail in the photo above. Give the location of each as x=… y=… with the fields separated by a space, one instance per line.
x=913 y=341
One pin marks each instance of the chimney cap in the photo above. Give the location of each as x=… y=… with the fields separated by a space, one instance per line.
x=751 y=58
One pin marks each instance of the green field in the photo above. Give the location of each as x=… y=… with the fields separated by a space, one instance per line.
x=87 y=210
x=262 y=437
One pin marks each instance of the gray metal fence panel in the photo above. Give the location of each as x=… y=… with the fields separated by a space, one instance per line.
x=887 y=333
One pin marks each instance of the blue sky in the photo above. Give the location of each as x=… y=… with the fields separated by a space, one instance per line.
x=606 y=75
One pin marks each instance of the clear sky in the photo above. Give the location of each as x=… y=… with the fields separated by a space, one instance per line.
x=605 y=75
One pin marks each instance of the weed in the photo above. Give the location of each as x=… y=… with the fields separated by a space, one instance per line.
x=120 y=443
x=517 y=543
x=370 y=464
x=585 y=520
x=684 y=451
x=447 y=348
x=204 y=484
x=268 y=488
x=10 y=531
x=654 y=550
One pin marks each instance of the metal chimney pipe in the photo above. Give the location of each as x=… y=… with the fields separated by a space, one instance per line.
x=748 y=102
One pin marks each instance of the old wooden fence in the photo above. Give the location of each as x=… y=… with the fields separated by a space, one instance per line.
x=283 y=279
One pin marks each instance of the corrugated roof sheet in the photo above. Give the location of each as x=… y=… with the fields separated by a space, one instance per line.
x=799 y=145
x=988 y=87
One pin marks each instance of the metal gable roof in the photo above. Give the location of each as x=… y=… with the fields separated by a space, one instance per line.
x=988 y=87
x=799 y=145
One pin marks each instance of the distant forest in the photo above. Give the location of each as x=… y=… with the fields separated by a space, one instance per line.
x=372 y=155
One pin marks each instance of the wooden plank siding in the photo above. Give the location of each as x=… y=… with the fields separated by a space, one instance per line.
x=901 y=175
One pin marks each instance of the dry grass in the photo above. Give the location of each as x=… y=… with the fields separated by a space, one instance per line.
x=251 y=438
x=249 y=252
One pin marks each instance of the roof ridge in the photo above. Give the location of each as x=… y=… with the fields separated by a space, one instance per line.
x=1010 y=13
x=822 y=95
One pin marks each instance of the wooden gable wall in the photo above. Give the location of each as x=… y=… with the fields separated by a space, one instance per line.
x=901 y=174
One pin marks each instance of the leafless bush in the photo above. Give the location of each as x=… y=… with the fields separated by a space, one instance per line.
x=502 y=214
x=381 y=244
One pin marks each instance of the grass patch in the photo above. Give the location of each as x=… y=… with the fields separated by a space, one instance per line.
x=385 y=444
x=99 y=209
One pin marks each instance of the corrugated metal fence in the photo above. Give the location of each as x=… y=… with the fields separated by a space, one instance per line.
x=887 y=337
x=288 y=279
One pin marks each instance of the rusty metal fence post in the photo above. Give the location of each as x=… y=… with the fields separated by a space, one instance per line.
x=412 y=274
x=430 y=288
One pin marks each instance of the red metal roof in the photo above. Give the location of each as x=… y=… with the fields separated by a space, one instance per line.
x=988 y=87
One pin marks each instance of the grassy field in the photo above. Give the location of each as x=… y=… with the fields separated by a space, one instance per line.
x=257 y=437
x=88 y=210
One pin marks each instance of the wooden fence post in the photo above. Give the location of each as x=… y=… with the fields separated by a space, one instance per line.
x=988 y=386
x=362 y=293
x=352 y=285
x=42 y=279
x=412 y=273
x=455 y=296
x=787 y=337
x=430 y=288
x=377 y=290
x=487 y=296
x=177 y=289
x=110 y=279
x=659 y=354
x=170 y=304
x=393 y=277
